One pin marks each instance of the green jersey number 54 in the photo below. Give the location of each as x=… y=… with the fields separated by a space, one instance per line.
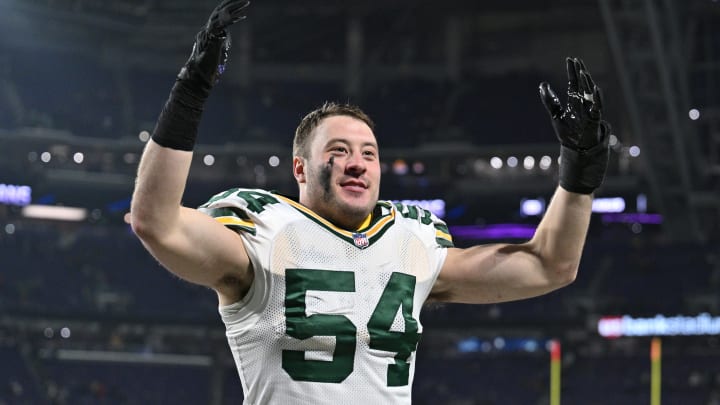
x=397 y=295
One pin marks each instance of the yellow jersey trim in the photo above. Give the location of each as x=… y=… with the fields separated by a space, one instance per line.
x=444 y=235
x=235 y=221
x=376 y=228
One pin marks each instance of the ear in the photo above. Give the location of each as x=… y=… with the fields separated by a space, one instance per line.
x=299 y=169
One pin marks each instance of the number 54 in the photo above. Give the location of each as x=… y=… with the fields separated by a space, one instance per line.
x=398 y=293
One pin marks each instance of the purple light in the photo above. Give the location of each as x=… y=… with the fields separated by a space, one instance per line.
x=639 y=218
x=15 y=195
x=497 y=231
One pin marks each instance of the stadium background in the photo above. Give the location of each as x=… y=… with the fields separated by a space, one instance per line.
x=87 y=317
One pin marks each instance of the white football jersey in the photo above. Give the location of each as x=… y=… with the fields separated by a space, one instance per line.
x=332 y=316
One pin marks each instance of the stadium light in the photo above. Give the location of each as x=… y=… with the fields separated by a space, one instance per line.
x=694 y=114
x=531 y=207
x=608 y=205
x=529 y=162
x=545 y=162
x=15 y=194
x=54 y=213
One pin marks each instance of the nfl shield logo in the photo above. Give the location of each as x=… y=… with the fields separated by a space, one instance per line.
x=361 y=240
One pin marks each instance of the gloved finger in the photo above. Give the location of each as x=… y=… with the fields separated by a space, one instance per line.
x=604 y=132
x=550 y=100
x=581 y=65
x=220 y=9
x=224 y=4
x=586 y=90
x=597 y=105
x=236 y=18
x=584 y=86
x=572 y=73
x=236 y=12
x=606 y=127
x=236 y=8
x=585 y=81
x=226 y=13
x=587 y=74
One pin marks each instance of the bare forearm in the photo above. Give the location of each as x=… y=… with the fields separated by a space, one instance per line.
x=550 y=260
x=560 y=237
x=159 y=187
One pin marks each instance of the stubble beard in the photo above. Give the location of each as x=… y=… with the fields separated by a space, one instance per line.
x=331 y=199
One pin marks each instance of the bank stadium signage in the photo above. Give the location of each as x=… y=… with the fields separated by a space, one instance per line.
x=659 y=325
x=11 y=194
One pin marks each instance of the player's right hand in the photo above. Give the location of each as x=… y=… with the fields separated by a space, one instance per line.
x=212 y=44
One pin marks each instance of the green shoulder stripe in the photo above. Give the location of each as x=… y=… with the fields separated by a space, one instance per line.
x=233 y=218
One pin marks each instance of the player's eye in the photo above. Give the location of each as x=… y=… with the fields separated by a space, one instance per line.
x=340 y=149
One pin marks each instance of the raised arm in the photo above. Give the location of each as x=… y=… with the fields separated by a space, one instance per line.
x=188 y=243
x=550 y=260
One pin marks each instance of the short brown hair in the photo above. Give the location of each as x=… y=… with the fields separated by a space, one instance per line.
x=312 y=120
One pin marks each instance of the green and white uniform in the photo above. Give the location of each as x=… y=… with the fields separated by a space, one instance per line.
x=332 y=316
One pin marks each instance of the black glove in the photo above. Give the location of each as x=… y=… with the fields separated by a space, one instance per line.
x=178 y=123
x=212 y=43
x=582 y=132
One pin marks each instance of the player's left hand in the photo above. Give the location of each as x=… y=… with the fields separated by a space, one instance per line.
x=578 y=124
x=580 y=127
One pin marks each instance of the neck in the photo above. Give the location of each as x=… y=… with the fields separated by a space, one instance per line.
x=349 y=226
x=340 y=222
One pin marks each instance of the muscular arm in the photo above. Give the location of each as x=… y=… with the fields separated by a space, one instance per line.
x=506 y=272
x=190 y=244
x=503 y=272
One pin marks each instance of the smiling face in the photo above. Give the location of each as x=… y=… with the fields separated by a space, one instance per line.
x=340 y=177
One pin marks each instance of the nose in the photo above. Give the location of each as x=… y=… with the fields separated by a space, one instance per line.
x=356 y=165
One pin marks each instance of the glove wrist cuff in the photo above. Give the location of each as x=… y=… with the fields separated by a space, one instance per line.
x=177 y=126
x=583 y=171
